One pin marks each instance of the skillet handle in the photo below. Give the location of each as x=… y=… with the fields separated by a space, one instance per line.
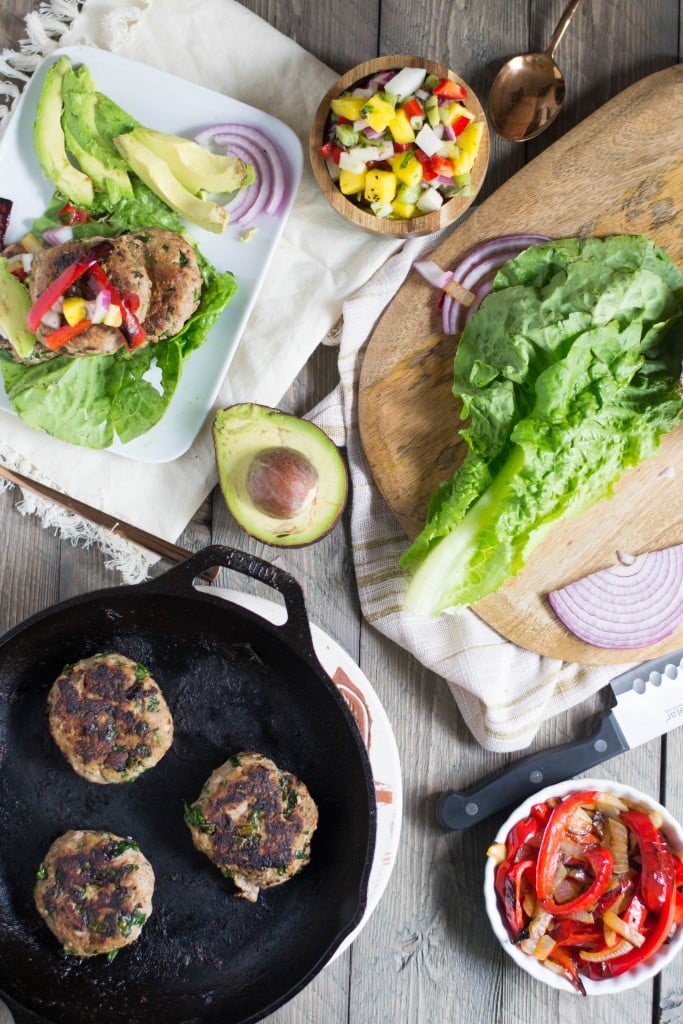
x=179 y=579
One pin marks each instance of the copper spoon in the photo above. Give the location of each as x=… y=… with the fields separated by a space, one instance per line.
x=528 y=91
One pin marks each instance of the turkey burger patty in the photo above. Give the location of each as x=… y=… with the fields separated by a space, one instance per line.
x=94 y=891
x=109 y=718
x=158 y=268
x=254 y=822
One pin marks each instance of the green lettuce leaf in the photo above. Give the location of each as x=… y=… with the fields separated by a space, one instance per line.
x=569 y=374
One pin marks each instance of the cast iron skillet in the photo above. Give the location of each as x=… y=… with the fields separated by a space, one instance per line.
x=233 y=682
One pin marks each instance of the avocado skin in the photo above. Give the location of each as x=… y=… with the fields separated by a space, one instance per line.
x=157 y=175
x=240 y=433
x=15 y=303
x=50 y=143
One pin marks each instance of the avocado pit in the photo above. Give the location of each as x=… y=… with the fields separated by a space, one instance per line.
x=282 y=482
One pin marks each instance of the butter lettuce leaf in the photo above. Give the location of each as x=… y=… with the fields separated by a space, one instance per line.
x=568 y=375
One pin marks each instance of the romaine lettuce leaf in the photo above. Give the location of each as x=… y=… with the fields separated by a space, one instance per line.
x=569 y=374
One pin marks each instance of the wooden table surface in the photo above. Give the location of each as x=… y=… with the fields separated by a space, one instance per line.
x=427 y=954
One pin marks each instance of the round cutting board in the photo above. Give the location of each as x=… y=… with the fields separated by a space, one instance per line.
x=599 y=179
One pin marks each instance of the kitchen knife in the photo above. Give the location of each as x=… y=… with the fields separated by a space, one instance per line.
x=647 y=701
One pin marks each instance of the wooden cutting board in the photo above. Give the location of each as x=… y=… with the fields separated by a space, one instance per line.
x=620 y=170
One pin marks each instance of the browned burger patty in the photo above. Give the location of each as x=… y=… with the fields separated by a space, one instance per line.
x=109 y=718
x=94 y=891
x=157 y=266
x=254 y=822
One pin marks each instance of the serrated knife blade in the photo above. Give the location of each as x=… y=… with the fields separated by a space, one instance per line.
x=647 y=701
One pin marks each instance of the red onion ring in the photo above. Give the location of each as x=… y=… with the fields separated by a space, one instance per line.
x=266 y=193
x=625 y=606
x=479 y=267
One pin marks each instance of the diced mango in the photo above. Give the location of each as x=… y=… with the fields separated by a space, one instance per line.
x=380 y=186
x=450 y=112
x=74 y=310
x=407 y=168
x=469 y=146
x=405 y=210
x=378 y=112
x=350 y=183
x=348 y=106
x=401 y=128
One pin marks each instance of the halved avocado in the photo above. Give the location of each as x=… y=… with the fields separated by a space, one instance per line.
x=283 y=479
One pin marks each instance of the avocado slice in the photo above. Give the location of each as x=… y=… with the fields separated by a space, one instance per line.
x=283 y=479
x=157 y=175
x=49 y=141
x=83 y=139
x=195 y=167
x=15 y=303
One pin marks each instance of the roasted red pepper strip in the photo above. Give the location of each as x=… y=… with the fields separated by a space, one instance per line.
x=59 y=286
x=550 y=848
x=601 y=862
x=656 y=937
x=511 y=894
x=575 y=933
x=57 y=339
x=521 y=834
x=565 y=959
x=449 y=89
x=131 y=327
x=658 y=870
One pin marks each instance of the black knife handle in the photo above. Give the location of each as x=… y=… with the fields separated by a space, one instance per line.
x=458 y=811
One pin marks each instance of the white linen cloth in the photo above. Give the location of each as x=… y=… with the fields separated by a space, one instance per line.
x=503 y=692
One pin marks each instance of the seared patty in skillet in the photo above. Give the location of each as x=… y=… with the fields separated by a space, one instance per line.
x=109 y=718
x=94 y=891
x=254 y=822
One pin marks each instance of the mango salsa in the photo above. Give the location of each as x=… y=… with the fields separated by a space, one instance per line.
x=404 y=147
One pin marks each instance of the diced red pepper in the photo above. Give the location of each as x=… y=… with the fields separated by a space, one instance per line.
x=59 y=286
x=460 y=124
x=132 y=329
x=413 y=108
x=330 y=151
x=63 y=335
x=450 y=90
x=658 y=871
x=441 y=165
x=70 y=214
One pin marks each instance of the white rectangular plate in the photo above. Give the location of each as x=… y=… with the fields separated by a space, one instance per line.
x=170 y=104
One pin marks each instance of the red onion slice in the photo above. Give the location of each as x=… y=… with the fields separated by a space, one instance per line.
x=625 y=606
x=267 y=192
x=479 y=267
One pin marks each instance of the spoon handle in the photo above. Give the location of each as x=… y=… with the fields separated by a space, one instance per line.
x=562 y=24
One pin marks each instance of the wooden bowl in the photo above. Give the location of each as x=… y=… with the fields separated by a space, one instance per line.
x=429 y=222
